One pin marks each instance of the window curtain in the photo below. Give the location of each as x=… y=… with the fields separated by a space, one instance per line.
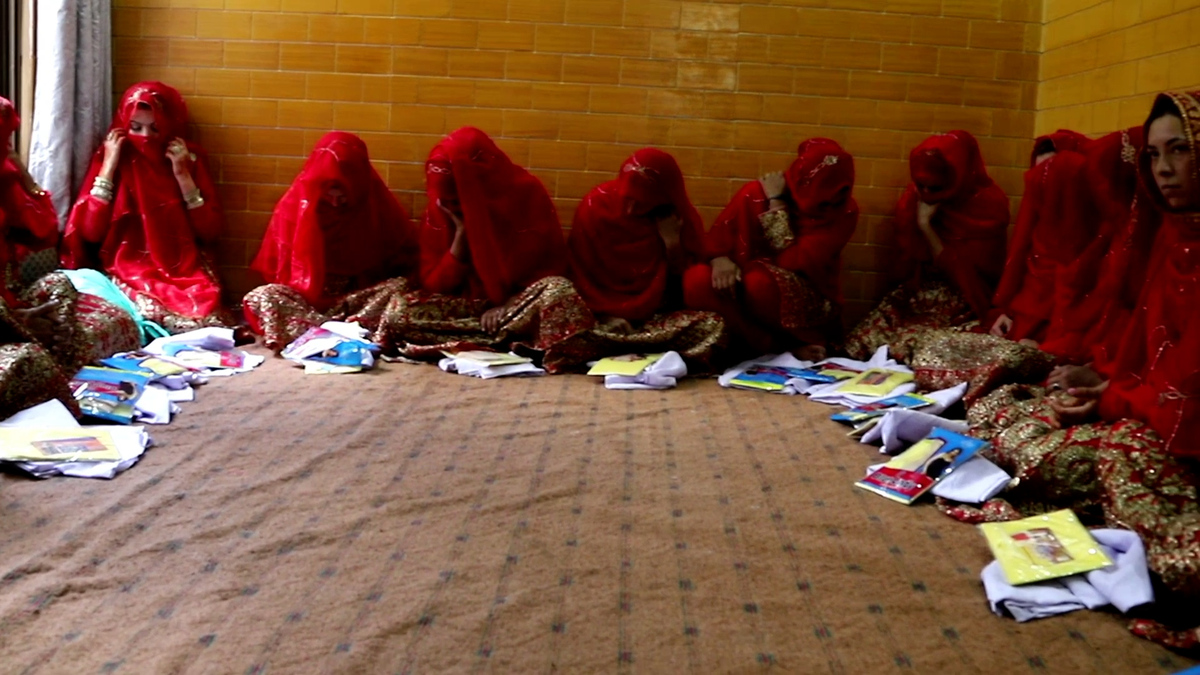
x=72 y=103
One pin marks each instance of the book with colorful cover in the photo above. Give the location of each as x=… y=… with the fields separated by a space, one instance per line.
x=1044 y=547
x=144 y=363
x=875 y=382
x=107 y=393
x=486 y=358
x=913 y=472
x=71 y=444
x=766 y=378
x=855 y=416
x=824 y=373
x=628 y=365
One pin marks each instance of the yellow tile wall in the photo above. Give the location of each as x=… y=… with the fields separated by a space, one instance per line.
x=569 y=88
x=1104 y=60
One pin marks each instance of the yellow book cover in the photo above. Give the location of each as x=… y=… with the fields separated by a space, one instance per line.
x=485 y=358
x=57 y=445
x=875 y=382
x=628 y=365
x=1044 y=547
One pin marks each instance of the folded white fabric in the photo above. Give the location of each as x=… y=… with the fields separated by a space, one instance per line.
x=975 y=482
x=898 y=429
x=1124 y=585
x=213 y=339
x=131 y=442
x=785 y=360
x=662 y=374
x=486 y=372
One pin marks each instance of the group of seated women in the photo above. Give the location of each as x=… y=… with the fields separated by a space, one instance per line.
x=1077 y=335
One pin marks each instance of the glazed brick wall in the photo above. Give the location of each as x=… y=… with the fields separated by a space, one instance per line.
x=1104 y=60
x=569 y=88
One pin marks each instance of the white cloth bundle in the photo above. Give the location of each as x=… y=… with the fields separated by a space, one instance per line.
x=662 y=374
x=1124 y=585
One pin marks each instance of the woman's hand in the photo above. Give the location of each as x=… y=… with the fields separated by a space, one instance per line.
x=492 y=319
x=458 y=246
x=177 y=152
x=112 y=153
x=1073 y=379
x=43 y=323
x=1002 y=325
x=773 y=184
x=1072 y=410
x=669 y=229
x=725 y=274
x=925 y=214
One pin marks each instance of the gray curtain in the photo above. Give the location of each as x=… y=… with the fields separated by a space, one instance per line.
x=72 y=102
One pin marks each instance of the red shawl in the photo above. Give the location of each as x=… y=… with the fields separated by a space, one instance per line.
x=1155 y=375
x=1097 y=188
x=27 y=223
x=822 y=212
x=619 y=261
x=513 y=232
x=1063 y=140
x=147 y=237
x=1051 y=231
x=368 y=240
x=971 y=219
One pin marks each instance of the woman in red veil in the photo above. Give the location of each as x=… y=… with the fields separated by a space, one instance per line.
x=775 y=255
x=493 y=261
x=951 y=230
x=1118 y=441
x=339 y=246
x=47 y=329
x=630 y=244
x=147 y=211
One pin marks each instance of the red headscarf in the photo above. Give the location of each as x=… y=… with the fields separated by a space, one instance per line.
x=369 y=239
x=1063 y=140
x=1049 y=235
x=823 y=214
x=147 y=236
x=619 y=262
x=1155 y=375
x=513 y=232
x=971 y=219
x=1094 y=192
x=28 y=223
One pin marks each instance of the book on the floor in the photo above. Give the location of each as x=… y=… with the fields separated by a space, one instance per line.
x=200 y=358
x=861 y=428
x=910 y=474
x=1043 y=547
x=628 y=365
x=144 y=363
x=875 y=382
x=107 y=393
x=78 y=444
x=824 y=373
x=485 y=358
x=767 y=378
x=856 y=416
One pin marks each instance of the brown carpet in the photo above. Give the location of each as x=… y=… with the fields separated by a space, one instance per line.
x=413 y=521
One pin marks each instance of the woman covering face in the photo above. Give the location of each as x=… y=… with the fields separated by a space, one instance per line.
x=148 y=207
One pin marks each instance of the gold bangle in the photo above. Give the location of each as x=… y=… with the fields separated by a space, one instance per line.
x=103 y=183
x=194 y=199
x=101 y=193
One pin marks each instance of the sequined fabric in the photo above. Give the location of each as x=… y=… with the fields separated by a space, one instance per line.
x=541 y=319
x=93 y=327
x=282 y=314
x=29 y=376
x=777 y=229
x=905 y=313
x=945 y=358
x=696 y=336
x=804 y=313
x=1116 y=474
x=154 y=310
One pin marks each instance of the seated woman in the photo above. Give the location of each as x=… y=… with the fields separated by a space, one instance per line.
x=148 y=207
x=47 y=329
x=775 y=255
x=339 y=246
x=630 y=243
x=951 y=229
x=1115 y=444
x=493 y=261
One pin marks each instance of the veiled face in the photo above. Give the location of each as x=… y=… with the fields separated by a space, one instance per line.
x=334 y=195
x=1043 y=157
x=142 y=123
x=1171 y=159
